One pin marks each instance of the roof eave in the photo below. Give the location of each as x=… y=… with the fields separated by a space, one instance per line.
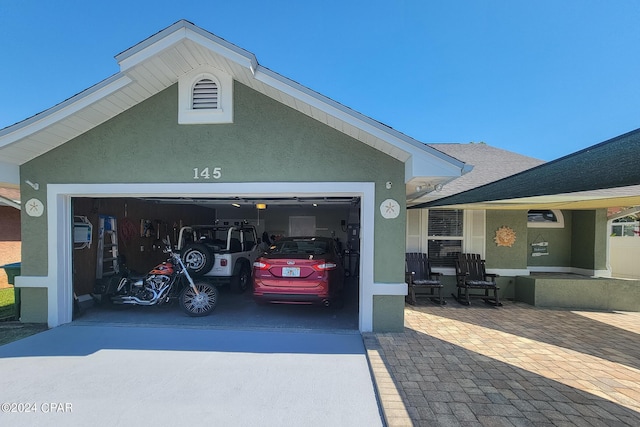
x=174 y=34
x=33 y=124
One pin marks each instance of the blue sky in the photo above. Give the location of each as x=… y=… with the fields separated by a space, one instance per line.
x=543 y=78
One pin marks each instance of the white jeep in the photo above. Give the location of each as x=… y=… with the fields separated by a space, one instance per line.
x=221 y=254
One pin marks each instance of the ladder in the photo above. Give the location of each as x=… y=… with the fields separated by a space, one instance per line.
x=107 y=264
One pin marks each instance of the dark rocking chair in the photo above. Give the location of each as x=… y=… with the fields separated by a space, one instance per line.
x=471 y=274
x=419 y=276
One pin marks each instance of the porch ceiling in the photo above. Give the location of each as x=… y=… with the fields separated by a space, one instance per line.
x=613 y=197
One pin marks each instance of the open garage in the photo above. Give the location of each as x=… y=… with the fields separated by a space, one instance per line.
x=137 y=228
x=193 y=130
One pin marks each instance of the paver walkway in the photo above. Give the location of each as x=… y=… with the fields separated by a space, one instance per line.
x=510 y=366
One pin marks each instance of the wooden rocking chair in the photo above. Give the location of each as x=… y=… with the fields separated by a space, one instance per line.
x=471 y=274
x=419 y=276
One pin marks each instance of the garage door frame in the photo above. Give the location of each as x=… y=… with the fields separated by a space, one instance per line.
x=59 y=280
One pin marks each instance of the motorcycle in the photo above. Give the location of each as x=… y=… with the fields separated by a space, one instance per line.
x=166 y=282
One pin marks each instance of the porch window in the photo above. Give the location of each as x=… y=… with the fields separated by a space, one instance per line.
x=444 y=243
x=545 y=218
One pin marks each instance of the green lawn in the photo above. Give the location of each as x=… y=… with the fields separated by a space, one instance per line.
x=6 y=303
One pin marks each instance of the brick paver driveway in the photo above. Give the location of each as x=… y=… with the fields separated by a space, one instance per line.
x=513 y=365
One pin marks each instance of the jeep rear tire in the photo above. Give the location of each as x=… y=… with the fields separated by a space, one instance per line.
x=198 y=259
x=241 y=278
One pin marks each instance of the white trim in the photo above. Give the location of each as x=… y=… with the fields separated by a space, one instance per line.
x=509 y=272
x=59 y=279
x=4 y=201
x=542 y=269
x=176 y=33
x=32 y=282
x=390 y=289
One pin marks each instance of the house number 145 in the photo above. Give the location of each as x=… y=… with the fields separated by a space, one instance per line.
x=207 y=173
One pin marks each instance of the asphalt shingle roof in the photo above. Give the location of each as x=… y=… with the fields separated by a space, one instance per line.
x=489 y=164
x=609 y=164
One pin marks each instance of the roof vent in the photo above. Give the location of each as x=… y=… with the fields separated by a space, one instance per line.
x=205 y=95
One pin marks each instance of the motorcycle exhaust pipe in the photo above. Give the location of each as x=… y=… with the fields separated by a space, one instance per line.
x=132 y=300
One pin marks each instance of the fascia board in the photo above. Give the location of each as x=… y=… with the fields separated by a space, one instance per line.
x=143 y=51
x=176 y=33
x=421 y=164
x=8 y=202
x=352 y=117
x=223 y=47
x=63 y=110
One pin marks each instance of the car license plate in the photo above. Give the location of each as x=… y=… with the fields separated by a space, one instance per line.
x=291 y=271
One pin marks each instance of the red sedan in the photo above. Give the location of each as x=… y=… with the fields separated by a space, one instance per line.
x=299 y=270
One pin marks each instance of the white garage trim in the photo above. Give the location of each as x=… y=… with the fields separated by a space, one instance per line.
x=59 y=280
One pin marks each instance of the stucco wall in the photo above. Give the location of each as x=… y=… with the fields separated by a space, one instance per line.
x=267 y=142
x=589 y=239
x=579 y=292
x=506 y=256
x=559 y=240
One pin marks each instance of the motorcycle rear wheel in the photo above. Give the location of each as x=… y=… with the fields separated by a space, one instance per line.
x=201 y=304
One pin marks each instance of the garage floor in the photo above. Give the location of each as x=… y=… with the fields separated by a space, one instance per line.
x=235 y=311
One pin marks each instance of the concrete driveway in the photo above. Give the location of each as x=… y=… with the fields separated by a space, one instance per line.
x=122 y=375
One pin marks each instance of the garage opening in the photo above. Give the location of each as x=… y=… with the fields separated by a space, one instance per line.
x=116 y=236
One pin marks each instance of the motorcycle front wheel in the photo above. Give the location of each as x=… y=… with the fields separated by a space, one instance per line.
x=201 y=304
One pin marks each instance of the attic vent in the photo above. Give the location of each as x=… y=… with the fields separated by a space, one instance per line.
x=205 y=95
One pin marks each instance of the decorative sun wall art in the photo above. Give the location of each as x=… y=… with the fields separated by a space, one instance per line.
x=505 y=236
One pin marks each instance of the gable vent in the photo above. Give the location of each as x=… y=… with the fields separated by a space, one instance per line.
x=205 y=95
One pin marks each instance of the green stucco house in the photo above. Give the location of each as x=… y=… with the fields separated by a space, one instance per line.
x=193 y=130
x=189 y=125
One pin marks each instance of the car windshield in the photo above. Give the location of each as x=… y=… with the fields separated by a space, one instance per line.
x=300 y=246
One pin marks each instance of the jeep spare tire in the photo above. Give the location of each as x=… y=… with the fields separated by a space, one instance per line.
x=198 y=259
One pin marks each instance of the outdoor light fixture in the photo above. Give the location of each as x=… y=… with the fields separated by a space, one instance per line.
x=261 y=206
x=235 y=205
